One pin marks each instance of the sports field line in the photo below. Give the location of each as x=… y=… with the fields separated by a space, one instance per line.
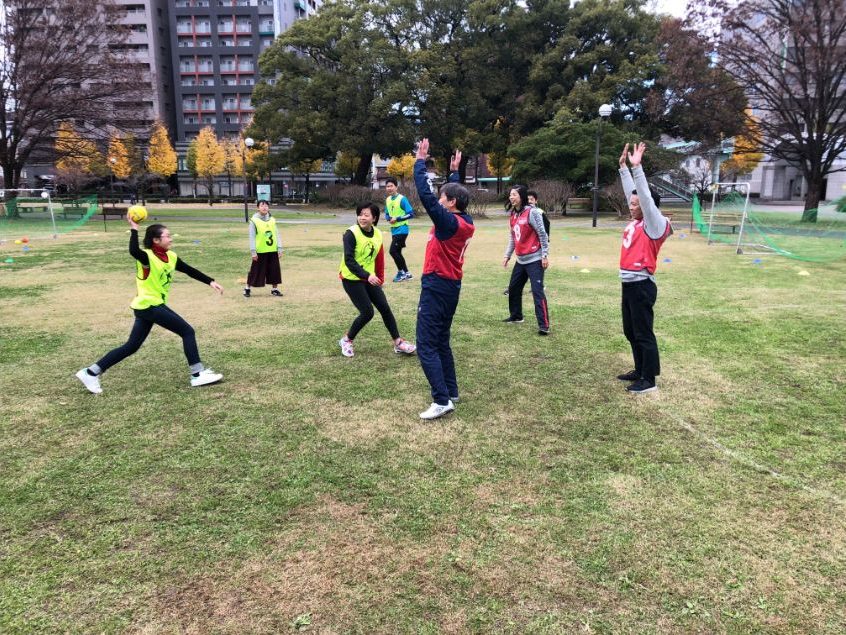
x=736 y=456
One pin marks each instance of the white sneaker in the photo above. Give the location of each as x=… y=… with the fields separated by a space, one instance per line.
x=91 y=382
x=434 y=411
x=405 y=347
x=206 y=376
x=346 y=347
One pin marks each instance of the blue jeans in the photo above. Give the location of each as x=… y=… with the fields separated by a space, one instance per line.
x=145 y=319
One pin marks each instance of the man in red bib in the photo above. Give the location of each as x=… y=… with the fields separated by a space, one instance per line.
x=642 y=240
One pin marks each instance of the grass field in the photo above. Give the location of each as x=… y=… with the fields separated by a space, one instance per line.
x=303 y=493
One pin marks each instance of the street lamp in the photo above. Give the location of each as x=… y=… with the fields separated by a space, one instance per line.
x=604 y=113
x=248 y=143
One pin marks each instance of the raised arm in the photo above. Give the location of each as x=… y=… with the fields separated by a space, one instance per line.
x=625 y=175
x=654 y=222
x=444 y=221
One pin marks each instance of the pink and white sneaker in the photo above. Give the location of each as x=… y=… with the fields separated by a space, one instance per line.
x=346 y=347
x=406 y=348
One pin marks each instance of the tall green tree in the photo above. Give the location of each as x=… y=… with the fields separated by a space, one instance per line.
x=341 y=85
x=595 y=52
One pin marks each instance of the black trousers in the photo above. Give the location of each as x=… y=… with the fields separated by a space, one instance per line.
x=365 y=296
x=145 y=319
x=638 y=300
x=533 y=272
x=397 y=245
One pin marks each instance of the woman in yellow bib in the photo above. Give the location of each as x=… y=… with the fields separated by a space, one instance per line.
x=155 y=265
x=265 y=250
x=362 y=273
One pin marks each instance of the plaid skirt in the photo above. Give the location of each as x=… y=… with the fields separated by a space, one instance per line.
x=265 y=270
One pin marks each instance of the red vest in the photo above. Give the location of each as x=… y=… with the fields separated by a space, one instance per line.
x=639 y=251
x=446 y=257
x=526 y=239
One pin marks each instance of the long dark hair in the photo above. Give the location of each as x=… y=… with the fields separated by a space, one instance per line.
x=153 y=231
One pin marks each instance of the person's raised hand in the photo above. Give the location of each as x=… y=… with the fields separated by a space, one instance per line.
x=623 y=156
x=422 y=149
x=131 y=222
x=455 y=161
x=636 y=156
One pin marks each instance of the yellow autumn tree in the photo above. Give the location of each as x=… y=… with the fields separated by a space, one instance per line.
x=500 y=165
x=232 y=163
x=120 y=163
x=258 y=160
x=346 y=164
x=401 y=167
x=78 y=159
x=162 y=156
x=747 y=151
x=210 y=158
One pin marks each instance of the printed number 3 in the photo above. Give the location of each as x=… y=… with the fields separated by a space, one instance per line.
x=628 y=234
x=269 y=236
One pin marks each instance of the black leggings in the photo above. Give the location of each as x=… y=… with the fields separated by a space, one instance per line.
x=365 y=296
x=165 y=317
x=397 y=245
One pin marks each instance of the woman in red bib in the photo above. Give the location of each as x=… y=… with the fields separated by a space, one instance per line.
x=642 y=240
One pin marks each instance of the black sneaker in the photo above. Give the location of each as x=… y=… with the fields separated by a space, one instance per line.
x=632 y=375
x=512 y=320
x=543 y=331
x=246 y=293
x=642 y=386
x=276 y=292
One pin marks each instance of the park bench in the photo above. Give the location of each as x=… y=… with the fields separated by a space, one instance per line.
x=722 y=223
x=74 y=208
x=36 y=208
x=117 y=211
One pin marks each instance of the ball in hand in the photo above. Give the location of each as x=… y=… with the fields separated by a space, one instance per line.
x=137 y=213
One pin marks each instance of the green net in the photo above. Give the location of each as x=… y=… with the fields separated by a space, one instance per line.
x=26 y=217
x=820 y=238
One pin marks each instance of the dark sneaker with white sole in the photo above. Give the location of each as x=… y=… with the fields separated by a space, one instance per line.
x=641 y=386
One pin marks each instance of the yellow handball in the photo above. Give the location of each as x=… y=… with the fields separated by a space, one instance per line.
x=137 y=213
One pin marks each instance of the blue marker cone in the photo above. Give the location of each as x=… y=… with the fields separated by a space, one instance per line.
x=667 y=260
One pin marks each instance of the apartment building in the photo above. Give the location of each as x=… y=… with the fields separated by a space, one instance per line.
x=216 y=46
x=149 y=43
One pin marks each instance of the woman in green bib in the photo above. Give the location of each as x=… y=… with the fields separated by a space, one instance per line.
x=265 y=250
x=362 y=273
x=154 y=266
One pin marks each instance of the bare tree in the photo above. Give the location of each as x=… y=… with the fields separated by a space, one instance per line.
x=554 y=194
x=61 y=60
x=790 y=57
x=616 y=198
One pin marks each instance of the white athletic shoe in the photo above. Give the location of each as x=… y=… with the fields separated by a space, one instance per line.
x=434 y=411
x=346 y=347
x=405 y=347
x=206 y=377
x=91 y=382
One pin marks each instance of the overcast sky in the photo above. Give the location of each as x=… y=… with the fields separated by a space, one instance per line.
x=673 y=7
